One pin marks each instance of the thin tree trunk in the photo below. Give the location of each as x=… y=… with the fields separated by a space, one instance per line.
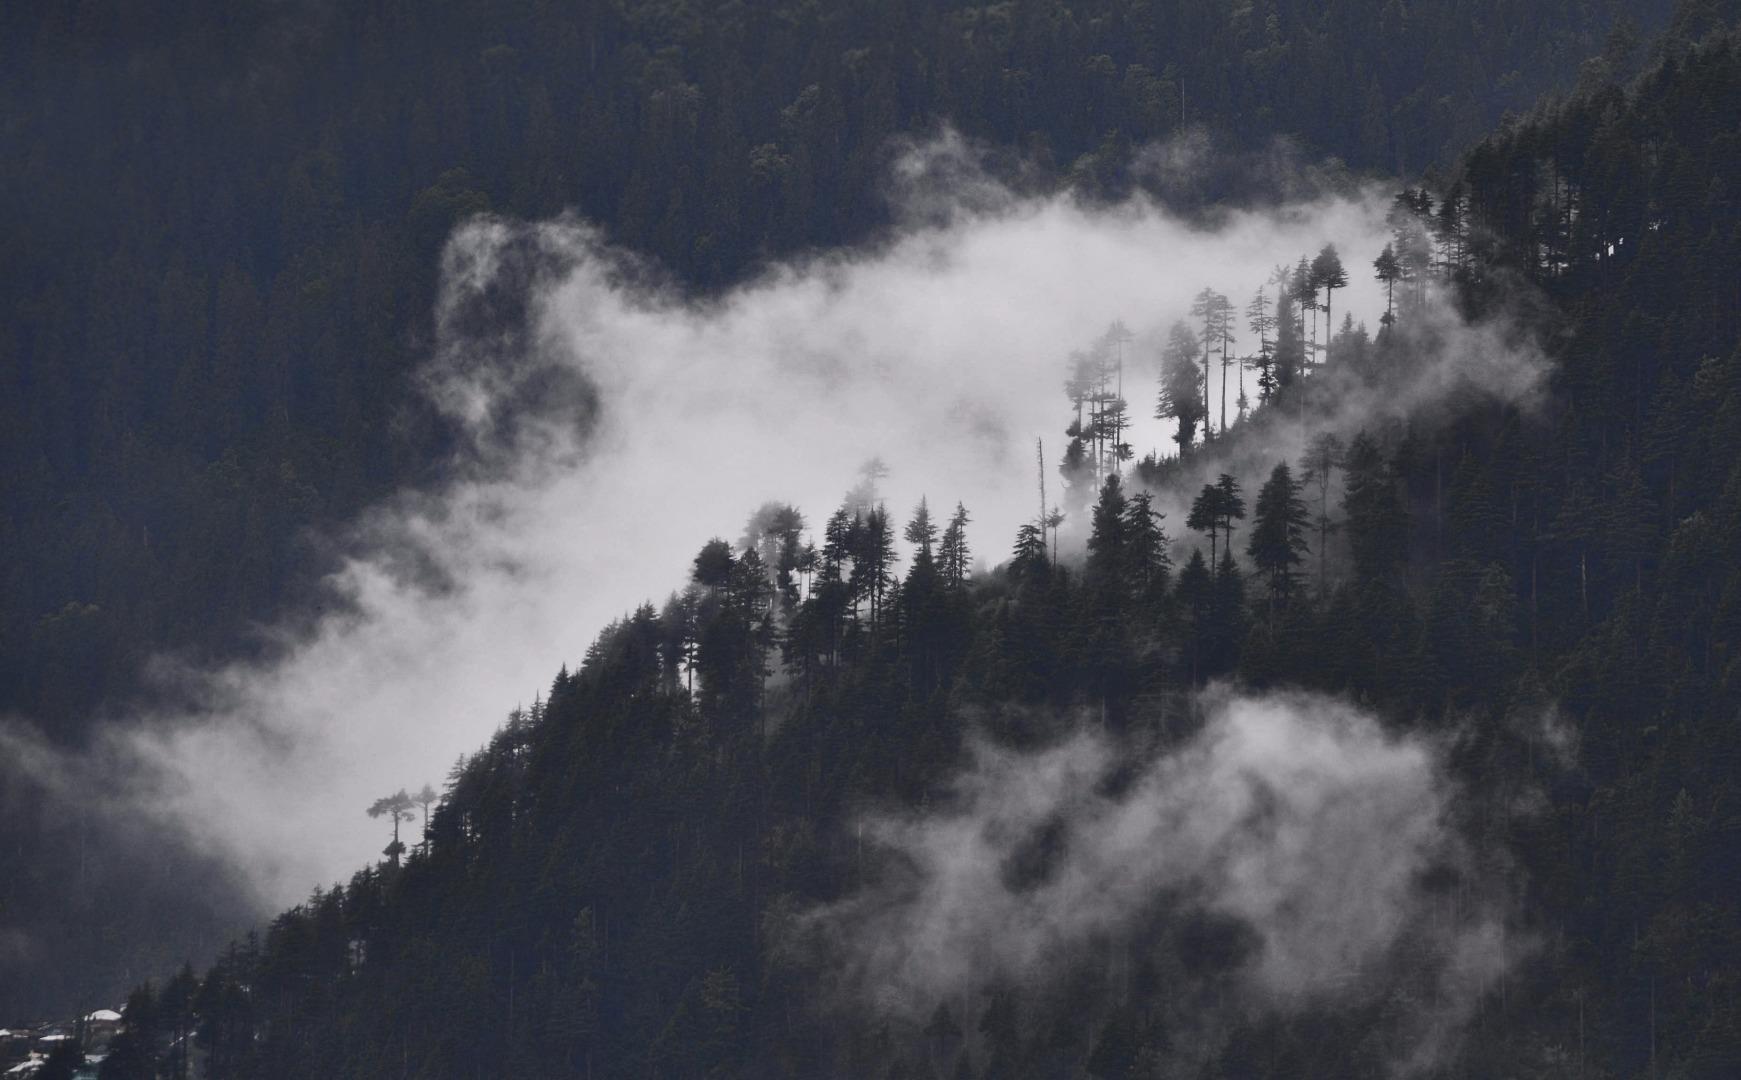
x=1224 y=386
x=1329 y=322
x=1206 y=424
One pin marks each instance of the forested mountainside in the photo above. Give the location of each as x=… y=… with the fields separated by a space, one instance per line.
x=606 y=888
x=220 y=230
x=221 y=225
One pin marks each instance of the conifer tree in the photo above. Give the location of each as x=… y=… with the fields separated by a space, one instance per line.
x=1212 y=311
x=1411 y=243
x=677 y=623
x=1323 y=457
x=425 y=797
x=1225 y=323
x=1107 y=547
x=1078 y=385
x=865 y=491
x=921 y=531
x=1080 y=454
x=751 y=590
x=1303 y=288
x=1229 y=506
x=1146 y=545
x=877 y=553
x=915 y=602
x=1181 y=398
x=1077 y=469
x=1029 y=560
x=953 y=551
x=1197 y=598
x=62 y=1062
x=713 y=566
x=1203 y=517
x=1376 y=521
x=1329 y=274
x=1260 y=321
x=1214 y=511
x=775 y=531
x=1278 y=534
x=1099 y=431
x=133 y=1052
x=1114 y=412
x=397 y=808
x=1290 y=356
x=1054 y=518
x=858 y=576
x=1388 y=269
x=1450 y=229
x=837 y=544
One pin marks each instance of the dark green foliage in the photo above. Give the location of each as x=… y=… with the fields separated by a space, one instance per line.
x=1108 y=542
x=1277 y=543
x=62 y=1062
x=1496 y=564
x=397 y=809
x=1145 y=548
x=136 y=1052
x=714 y=566
x=1377 y=524
x=1030 y=558
x=1323 y=457
x=1261 y=321
x=1196 y=601
x=776 y=533
x=955 y=556
x=1290 y=354
x=220 y=239
x=283 y=204
x=1328 y=275
x=1181 y=397
x=1215 y=510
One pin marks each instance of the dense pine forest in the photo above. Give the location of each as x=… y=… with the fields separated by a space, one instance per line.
x=613 y=885
x=220 y=230
x=217 y=291
x=220 y=234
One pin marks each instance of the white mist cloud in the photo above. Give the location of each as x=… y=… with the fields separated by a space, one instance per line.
x=1299 y=818
x=941 y=348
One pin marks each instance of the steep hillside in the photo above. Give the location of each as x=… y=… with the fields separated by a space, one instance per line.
x=220 y=238
x=632 y=877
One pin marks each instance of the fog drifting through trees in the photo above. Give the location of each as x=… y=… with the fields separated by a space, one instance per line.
x=1315 y=846
x=614 y=424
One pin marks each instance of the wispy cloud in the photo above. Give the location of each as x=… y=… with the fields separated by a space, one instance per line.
x=1323 y=851
x=613 y=424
